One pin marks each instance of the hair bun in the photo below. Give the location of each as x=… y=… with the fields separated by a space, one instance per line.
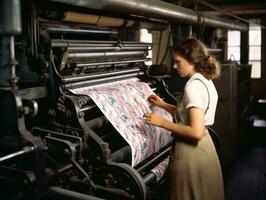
x=195 y=52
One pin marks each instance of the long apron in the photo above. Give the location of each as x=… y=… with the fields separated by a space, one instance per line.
x=195 y=171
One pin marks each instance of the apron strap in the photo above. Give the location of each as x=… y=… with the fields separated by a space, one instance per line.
x=207 y=92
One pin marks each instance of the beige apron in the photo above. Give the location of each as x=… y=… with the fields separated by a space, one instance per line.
x=194 y=170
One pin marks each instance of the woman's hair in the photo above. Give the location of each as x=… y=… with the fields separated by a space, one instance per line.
x=196 y=53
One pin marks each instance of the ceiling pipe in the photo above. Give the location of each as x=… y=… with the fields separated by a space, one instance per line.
x=244 y=12
x=159 y=10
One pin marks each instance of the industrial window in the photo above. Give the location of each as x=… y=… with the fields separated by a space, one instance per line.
x=145 y=36
x=233 y=51
x=255 y=50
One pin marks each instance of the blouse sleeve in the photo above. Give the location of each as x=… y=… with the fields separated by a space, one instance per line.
x=194 y=95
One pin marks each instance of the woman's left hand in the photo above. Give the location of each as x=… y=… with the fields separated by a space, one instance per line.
x=154 y=119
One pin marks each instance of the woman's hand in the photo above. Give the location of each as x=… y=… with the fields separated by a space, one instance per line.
x=153 y=119
x=156 y=100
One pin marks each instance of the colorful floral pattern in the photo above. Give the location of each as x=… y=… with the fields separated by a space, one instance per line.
x=124 y=104
x=160 y=169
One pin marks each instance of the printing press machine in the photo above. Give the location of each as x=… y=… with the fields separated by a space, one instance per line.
x=55 y=144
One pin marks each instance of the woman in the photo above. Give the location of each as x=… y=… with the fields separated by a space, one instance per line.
x=194 y=169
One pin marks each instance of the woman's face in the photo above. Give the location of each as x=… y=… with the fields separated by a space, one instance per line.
x=182 y=66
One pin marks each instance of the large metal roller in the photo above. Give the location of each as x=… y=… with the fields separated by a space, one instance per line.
x=99 y=75
x=89 y=43
x=102 y=80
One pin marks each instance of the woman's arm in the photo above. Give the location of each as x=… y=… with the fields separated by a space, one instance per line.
x=156 y=100
x=169 y=108
x=194 y=130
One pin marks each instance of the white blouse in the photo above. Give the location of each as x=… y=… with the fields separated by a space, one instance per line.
x=196 y=95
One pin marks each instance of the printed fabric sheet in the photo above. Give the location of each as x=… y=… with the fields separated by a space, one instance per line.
x=160 y=169
x=124 y=103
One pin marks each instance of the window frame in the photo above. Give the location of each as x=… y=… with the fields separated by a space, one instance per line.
x=255 y=72
x=238 y=46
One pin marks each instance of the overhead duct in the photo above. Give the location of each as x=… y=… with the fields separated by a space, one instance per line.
x=158 y=10
x=101 y=20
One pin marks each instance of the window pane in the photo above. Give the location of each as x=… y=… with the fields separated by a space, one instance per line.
x=255 y=49
x=233 y=38
x=254 y=37
x=255 y=69
x=254 y=53
x=145 y=36
x=234 y=53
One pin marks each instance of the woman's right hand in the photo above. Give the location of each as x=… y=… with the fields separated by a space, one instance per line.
x=156 y=100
